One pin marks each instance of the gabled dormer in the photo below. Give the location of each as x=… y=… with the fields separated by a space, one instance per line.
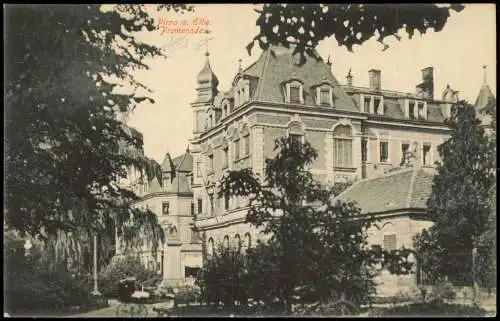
x=323 y=94
x=293 y=90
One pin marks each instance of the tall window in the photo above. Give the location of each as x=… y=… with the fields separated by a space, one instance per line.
x=237 y=241
x=210 y=247
x=426 y=155
x=324 y=98
x=384 y=152
x=248 y=241
x=226 y=242
x=364 y=150
x=376 y=105
x=212 y=209
x=404 y=151
x=198 y=169
x=390 y=242
x=236 y=149
x=226 y=157
x=192 y=209
x=211 y=162
x=200 y=206
x=296 y=141
x=411 y=110
x=246 y=145
x=166 y=208
x=226 y=202
x=343 y=146
x=295 y=93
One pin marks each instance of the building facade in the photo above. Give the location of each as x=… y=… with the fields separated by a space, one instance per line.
x=358 y=132
x=179 y=257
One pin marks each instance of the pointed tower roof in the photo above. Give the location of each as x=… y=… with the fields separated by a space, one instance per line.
x=485 y=94
x=206 y=74
x=167 y=165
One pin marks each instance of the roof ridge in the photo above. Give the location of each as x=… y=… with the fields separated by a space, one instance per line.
x=260 y=87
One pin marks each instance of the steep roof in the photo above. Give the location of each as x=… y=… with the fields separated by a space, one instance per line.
x=400 y=190
x=184 y=162
x=167 y=165
x=277 y=64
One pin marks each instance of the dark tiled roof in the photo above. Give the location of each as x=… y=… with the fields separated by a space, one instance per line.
x=276 y=65
x=484 y=96
x=167 y=165
x=184 y=162
x=434 y=113
x=404 y=189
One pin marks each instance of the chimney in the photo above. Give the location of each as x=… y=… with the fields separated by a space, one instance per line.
x=427 y=85
x=375 y=82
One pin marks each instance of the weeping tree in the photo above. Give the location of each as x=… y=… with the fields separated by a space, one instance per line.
x=305 y=25
x=68 y=80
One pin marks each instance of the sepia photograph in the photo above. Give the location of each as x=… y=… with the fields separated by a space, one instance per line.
x=250 y=160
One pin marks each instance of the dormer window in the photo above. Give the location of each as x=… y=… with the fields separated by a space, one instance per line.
x=242 y=92
x=415 y=109
x=372 y=104
x=324 y=95
x=294 y=92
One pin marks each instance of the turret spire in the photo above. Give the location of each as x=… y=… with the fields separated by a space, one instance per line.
x=484 y=75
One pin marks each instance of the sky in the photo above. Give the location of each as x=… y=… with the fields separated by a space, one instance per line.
x=457 y=53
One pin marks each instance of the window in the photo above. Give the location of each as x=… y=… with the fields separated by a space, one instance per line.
x=226 y=158
x=422 y=111
x=367 y=104
x=376 y=105
x=191 y=272
x=158 y=266
x=236 y=149
x=237 y=241
x=248 y=241
x=411 y=110
x=226 y=202
x=324 y=98
x=198 y=169
x=166 y=208
x=211 y=162
x=384 y=152
x=342 y=146
x=296 y=141
x=364 y=150
x=404 y=151
x=390 y=242
x=246 y=145
x=210 y=121
x=426 y=155
x=192 y=209
x=212 y=210
x=210 y=246
x=295 y=93
x=166 y=179
x=226 y=242
x=200 y=206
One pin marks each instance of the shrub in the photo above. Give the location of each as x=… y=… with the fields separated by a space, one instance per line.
x=442 y=291
x=120 y=268
x=35 y=284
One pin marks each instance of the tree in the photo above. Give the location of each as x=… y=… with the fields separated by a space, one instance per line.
x=316 y=248
x=352 y=24
x=460 y=202
x=66 y=147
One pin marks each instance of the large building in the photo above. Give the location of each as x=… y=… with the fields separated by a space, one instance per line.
x=384 y=141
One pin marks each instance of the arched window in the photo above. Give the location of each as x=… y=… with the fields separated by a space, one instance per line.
x=296 y=134
x=245 y=136
x=236 y=147
x=294 y=92
x=342 y=146
x=237 y=242
x=226 y=242
x=210 y=247
x=247 y=243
